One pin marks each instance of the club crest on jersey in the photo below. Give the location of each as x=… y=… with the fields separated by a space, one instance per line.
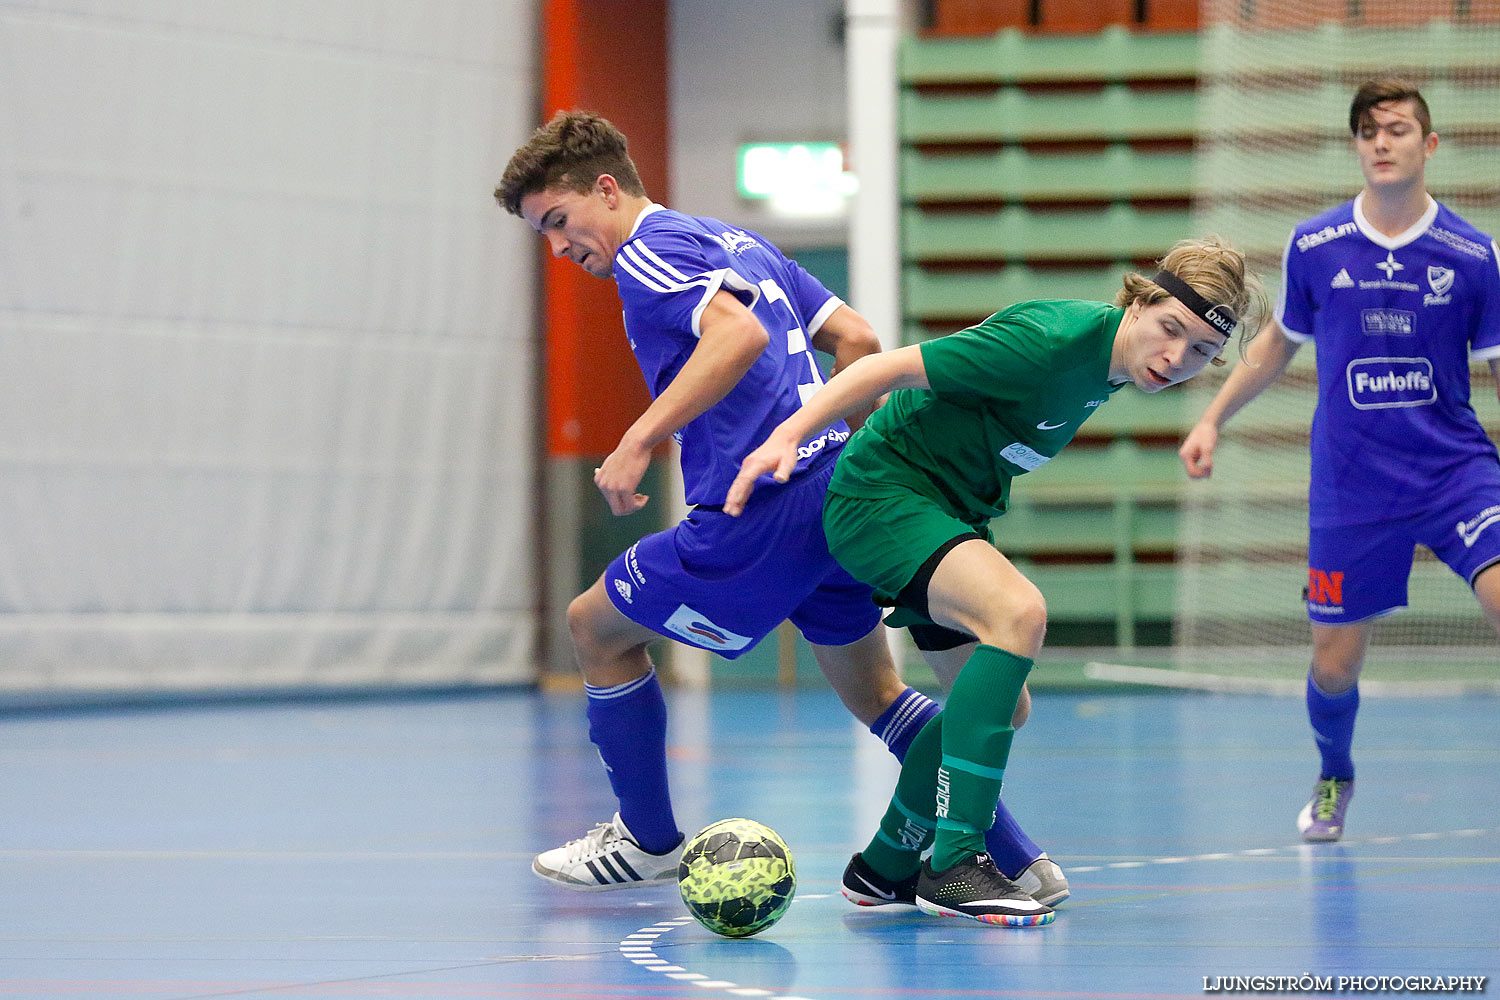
x=1440 y=280
x=700 y=630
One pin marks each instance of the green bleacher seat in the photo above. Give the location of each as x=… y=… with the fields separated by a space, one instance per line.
x=1014 y=173
x=1012 y=57
x=935 y=295
x=1016 y=232
x=1113 y=112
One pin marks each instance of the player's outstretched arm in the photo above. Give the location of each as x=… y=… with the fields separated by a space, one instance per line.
x=1265 y=359
x=855 y=387
x=730 y=339
x=848 y=336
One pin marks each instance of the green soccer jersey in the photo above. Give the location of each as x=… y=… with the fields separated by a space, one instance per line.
x=1006 y=396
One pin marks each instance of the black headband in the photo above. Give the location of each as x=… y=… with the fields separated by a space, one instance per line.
x=1221 y=318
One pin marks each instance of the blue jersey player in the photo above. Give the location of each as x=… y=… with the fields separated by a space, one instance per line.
x=1398 y=294
x=723 y=327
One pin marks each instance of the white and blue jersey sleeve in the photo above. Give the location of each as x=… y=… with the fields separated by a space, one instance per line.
x=667 y=272
x=1395 y=321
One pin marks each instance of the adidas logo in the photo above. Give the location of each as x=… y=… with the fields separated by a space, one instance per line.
x=1342 y=279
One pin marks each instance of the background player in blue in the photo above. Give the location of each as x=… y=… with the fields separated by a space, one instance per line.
x=723 y=327
x=1398 y=294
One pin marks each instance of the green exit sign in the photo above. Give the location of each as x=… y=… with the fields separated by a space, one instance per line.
x=801 y=177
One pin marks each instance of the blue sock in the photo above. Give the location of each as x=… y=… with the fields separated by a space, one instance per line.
x=1332 y=718
x=1008 y=844
x=900 y=723
x=628 y=723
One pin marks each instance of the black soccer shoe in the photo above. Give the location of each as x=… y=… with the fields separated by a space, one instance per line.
x=864 y=886
x=974 y=888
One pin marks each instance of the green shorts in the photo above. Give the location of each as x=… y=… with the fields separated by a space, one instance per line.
x=884 y=542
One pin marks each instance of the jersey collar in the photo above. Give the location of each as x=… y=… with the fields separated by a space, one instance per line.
x=1392 y=242
x=653 y=207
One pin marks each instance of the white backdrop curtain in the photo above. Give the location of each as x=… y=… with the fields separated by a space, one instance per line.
x=266 y=360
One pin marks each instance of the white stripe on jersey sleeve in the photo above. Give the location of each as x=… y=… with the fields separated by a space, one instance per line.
x=646 y=272
x=1295 y=336
x=821 y=316
x=663 y=265
x=1492 y=352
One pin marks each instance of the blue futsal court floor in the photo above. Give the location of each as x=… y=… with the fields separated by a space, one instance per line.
x=381 y=849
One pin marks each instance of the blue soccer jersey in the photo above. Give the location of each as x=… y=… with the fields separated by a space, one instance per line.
x=667 y=271
x=1396 y=321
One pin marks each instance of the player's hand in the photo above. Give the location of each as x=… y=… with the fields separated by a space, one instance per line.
x=1197 y=451
x=619 y=476
x=777 y=456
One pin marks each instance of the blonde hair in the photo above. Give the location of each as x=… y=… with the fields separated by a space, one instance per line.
x=1216 y=271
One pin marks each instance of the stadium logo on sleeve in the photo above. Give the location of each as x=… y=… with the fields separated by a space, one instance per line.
x=1386 y=383
x=1309 y=240
x=700 y=630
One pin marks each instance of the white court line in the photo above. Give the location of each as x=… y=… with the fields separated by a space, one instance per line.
x=1260 y=852
x=636 y=948
x=1188 y=680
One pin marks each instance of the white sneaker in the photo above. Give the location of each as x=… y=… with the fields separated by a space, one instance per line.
x=1044 y=881
x=606 y=857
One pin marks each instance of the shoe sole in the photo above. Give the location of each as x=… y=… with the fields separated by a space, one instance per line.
x=999 y=919
x=1054 y=898
x=1322 y=838
x=860 y=899
x=555 y=879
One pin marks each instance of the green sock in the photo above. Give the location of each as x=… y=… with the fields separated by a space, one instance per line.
x=906 y=829
x=976 y=746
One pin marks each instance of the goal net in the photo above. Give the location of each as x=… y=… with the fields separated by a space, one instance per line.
x=1274 y=148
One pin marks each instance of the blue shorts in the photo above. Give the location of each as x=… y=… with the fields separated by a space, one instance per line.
x=724 y=583
x=1360 y=571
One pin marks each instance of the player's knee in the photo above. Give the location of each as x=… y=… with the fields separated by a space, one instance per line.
x=1017 y=625
x=583 y=627
x=1334 y=674
x=1029 y=622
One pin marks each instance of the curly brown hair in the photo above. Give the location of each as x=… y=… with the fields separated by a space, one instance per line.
x=569 y=152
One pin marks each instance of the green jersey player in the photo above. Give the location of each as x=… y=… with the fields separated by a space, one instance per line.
x=908 y=511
